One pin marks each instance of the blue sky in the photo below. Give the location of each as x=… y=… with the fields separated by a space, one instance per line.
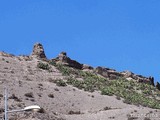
x=119 y=34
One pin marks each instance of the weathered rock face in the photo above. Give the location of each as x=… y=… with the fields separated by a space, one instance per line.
x=87 y=67
x=113 y=74
x=6 y=54
x=141 y=79
x=158 y=85
x=108 y=73
x=38 y=51
x=102 y=71
x=63 y=59
x=151 y=79
x=127 y=74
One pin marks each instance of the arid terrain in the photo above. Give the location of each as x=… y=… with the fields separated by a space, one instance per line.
x=68 y=90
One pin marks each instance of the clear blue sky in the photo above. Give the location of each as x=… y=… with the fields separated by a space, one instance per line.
x=119 y=34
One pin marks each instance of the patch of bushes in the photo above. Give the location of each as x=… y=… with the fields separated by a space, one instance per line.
x=43 y=66
x=107 y=91
x=121 y=88
x=65 y=70
x=61 y=83
x=75 y=83
x=131 y=91
x=52 y=63
x=15 y=98
x=87 y=84
x=75 y=72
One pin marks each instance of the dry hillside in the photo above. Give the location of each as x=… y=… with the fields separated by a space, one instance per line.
x=68 y=90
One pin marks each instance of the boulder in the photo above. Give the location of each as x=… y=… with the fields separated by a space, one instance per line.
x=108 y=73
x=102 y=71
x=127 y=74
x=113 y=74
x=6 y=54
x=38 y=51
x=87 y=67
x=151 y=79
x=62 y=57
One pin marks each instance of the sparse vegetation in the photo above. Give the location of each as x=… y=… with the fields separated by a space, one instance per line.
x=52 y=63
x=56 y=89
x=74 y=112
x=1 y=110
x=111 y=117
x=51 y=95
x=131 y=91
x=32 y=100
x=32 y=83
x=118 y=98
x=64 y=70
x=30 y=95
x=130 y=117
x=13 y=96
x=61 y=83
x=107 y=108
x=43 y=66
x=147 y=118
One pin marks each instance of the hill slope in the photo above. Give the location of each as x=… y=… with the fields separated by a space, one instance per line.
x=68 y=90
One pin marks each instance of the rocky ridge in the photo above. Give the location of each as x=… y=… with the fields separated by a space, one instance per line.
x=111 y=74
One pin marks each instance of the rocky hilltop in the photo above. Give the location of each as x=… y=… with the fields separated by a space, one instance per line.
x=68 y=90
x=111 y=74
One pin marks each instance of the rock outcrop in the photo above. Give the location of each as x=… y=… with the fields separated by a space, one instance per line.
x=113 y=74
x=6 y=54
x=108 y=73
x=38 y=51
x=158 y=85
x=151 y=79
x=63 y=59
x=87 y=67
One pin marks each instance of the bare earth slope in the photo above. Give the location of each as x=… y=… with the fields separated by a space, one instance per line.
x=29 y=85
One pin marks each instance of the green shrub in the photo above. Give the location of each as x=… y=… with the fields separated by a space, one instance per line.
x=107 y=91
x=131 y=91
x=52 y=63
x=65 y=70
x=43 y=66
x=61 y=83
